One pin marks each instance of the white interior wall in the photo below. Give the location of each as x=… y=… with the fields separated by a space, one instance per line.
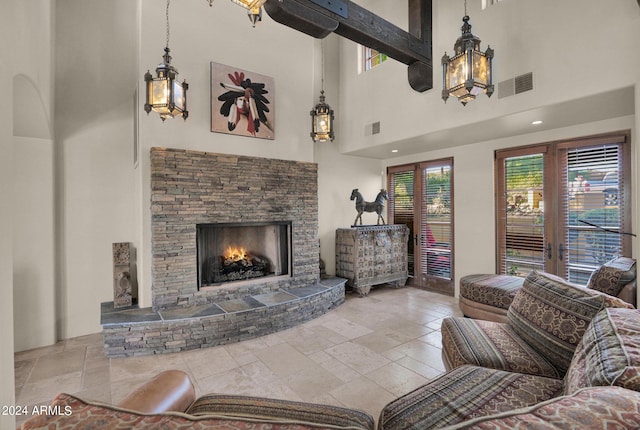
x=338 y=174
x=7 y=379
x=539 y=37
x=34 y=275
x=96 y=76
x=34 y=290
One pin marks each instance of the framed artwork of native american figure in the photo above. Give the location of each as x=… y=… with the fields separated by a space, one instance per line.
x=242 y=102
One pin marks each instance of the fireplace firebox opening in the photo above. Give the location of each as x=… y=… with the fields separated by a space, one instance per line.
x=231 y=252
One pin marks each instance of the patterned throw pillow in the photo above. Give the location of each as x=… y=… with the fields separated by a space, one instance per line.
x=551 y=315
x=613 y=275
x=609 y=353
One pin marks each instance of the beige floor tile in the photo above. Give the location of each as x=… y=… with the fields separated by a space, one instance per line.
x=58 y=364
x=363 y=394
x=209 y=361
x=306 y=340
x=83 y=341
x=120 y=389
x=242 y=352
x=285 y=360
x=97 y=393
x=329 y=334
x=340 y=370
x=326 y=399
x=381 y=341
x=96 y=377
x=38 y=352
x=46 y=389
x=358 y=357
x=145 y=366
x=320 y=356
x=22 y=370
x=235 y=381
x=308 y=384
x=434 y=338
x=346 y=328
x=419 y=367
x=268 y=384
x=423 y=352
x=396 y=379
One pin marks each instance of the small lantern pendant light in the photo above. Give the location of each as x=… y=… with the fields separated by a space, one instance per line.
x=253 y=7
x=468 y=72
x=165 y=94
x=322 y=114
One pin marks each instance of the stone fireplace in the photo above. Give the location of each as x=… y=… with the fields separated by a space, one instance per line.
x=235 y=254
x=194 y=192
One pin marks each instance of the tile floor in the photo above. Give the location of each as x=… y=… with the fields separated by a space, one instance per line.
x=362 y=355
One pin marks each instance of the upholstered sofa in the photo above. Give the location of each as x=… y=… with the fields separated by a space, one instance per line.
x=488 y=296
x=567 y=358
x=168 y=401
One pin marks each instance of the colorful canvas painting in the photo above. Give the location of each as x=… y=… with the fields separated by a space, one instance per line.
x=242 y=102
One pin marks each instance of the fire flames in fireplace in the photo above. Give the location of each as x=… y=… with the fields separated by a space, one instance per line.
x=235 y=254
x=237 y=263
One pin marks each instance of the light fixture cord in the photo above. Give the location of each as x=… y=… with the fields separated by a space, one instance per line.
x=465 y=8
x=167 y=15
x=322 y=65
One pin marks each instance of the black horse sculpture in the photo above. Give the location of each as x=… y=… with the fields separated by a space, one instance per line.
x=376 y=206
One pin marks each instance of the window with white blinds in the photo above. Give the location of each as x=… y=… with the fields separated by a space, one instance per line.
x=436 y=220
x=522 y=247
x=563 y=207
x=594 y=200
x=401 y=185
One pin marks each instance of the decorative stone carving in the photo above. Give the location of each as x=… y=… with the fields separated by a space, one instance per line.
x=122 y=274
x=372 y=255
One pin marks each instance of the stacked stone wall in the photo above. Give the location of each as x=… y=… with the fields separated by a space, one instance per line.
x=192 y=187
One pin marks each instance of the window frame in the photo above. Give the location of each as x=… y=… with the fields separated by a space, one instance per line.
x=556 y=225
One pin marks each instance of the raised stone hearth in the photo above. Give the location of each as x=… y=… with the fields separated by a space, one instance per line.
x=191 y=189
x=134 y=331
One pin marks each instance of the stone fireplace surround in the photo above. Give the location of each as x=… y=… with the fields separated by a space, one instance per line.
x=190 y=188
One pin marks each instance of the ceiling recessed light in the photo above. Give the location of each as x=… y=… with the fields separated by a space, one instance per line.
x=394 y=150
x=537 y=122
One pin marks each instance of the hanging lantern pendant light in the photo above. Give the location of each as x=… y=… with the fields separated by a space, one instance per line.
x=322 y=114
x=468 y=73
x=253 y=7
x=165 y=94
x=322 y=121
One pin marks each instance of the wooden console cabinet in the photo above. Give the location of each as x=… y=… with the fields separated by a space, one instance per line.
x=372 y=255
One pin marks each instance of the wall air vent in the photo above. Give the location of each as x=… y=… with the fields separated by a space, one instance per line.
x=373 y=128
x=517 y=85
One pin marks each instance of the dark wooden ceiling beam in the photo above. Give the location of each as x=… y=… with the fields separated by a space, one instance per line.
x=356 y=23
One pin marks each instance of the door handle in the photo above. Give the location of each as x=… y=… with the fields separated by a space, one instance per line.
x=549 y=251
x=560 y=251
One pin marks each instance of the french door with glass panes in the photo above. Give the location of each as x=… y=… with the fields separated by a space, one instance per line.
x=420 y=196
x=563 y=207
